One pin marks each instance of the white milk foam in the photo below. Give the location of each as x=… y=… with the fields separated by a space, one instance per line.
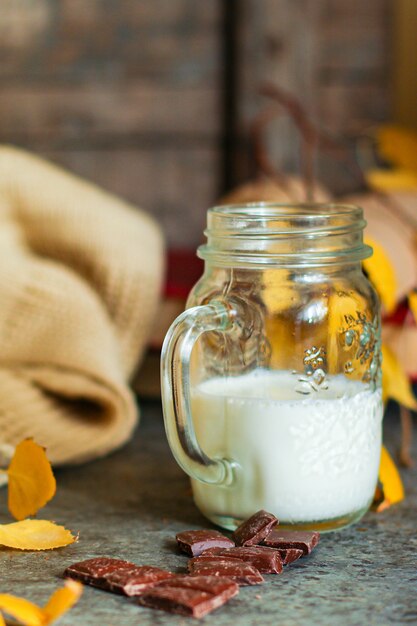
x=302 y=458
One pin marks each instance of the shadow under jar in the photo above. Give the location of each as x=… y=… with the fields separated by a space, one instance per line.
x=271 y=379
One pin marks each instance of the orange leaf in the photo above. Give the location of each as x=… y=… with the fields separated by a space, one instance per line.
x=398 y=179
x=33 y=534
x=30 y=614
x=22 y=610
x=31 y=480
x=395 y=383
x=62 y=600
x=398 y=145
x=390 y=479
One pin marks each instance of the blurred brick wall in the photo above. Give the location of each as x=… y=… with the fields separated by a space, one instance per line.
x=333 y=54
x=128 y=92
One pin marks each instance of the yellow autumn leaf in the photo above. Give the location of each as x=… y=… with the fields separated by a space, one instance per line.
x=395 y=383
x=30 y=614
x=398 y=179
x=31 y=480
x=381 y=273
x=398 y=145
x=21 y=610
x=33 y=534
x=390 y=479
x=62 y=600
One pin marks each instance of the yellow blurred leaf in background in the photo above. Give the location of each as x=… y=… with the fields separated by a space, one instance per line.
x=398 y=179
x=381 y=273
x=398 y=145
x=31 y=480
x=395 y=383
x=30 y=614
x=33 y=534
x=390 y=479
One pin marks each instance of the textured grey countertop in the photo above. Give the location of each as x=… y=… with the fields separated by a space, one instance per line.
x=131 y=504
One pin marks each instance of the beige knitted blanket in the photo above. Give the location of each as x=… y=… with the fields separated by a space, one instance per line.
x=80 y=275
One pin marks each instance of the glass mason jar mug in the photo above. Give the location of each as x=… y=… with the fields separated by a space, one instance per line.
x=271 y=379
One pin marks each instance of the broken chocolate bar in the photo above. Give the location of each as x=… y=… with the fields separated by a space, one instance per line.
x=255 y=529
x=239 y=571
x=191 y=595
x=194 y=542
x=290 y=555
x=211 y=584
x=134 y=581
x=116 y=575
x=93 y=571
x=266 y=560
x=304 y=540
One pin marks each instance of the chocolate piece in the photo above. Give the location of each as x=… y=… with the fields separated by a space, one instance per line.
x=182 y=601
x=255 y=529
x=266 y=560
x=190 y=595
x=239 y=571
x=211 y=584
x=94 y=571
x=116 y=575
x=134 y=581
x=194 y=542
x=304 y=540
x=290 y=555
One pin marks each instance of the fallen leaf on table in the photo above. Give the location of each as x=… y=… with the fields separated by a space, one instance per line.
x=30 y=614
x=33 y=534
x=390 y=479
x=31 y=480
x=22 y=610
x=62 y=600
x=395 y=383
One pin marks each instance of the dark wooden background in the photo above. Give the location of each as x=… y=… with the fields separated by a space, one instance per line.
x=153 y=98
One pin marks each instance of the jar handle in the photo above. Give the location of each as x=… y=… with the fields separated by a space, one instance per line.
x=175 y=388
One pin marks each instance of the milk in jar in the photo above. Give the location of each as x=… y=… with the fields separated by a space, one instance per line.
x=301 y=458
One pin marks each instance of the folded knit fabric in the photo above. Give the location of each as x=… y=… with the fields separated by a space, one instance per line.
x=80 y=276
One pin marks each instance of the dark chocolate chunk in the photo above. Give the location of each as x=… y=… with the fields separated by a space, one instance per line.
x=304 y=540
x=290 y=555
x=194 y=542
x=211 y=584
x=190 y=595
x=94 y=571
x=239 y=571
x=254 y=530
x=134 y=581
x=182 y=601
x=116 y=575
x=266 y=560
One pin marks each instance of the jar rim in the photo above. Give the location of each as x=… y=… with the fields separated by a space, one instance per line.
x=241 y=232
x=310 y=211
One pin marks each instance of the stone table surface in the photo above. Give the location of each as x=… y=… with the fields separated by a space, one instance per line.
x=131 y=505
